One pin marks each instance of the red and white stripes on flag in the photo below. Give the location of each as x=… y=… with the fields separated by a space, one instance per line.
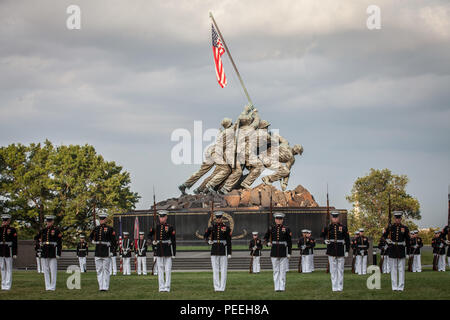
x=218 y=51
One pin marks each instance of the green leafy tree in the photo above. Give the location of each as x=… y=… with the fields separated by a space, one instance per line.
x=72 y=182
x=427 y=235
x=370 y=199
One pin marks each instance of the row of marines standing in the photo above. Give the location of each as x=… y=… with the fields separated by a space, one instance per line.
x=278 y=237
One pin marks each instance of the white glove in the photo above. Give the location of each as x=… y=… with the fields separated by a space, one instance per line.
x=407 y=256
x=441 y=245
x=57 y=257
x=111 y=254
x=447 y=242
x=173 y=257
x=210 y=242
x=389 y=241
x=269 y=244
x=288 y=256
x=303 y=247
x=14 y=257
x=229 y=256
x=327 y=241
x=346 y=254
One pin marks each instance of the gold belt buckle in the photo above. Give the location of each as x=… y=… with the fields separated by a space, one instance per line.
x=47 y=242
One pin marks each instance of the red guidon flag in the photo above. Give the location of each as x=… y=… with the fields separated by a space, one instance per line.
x=218 y=51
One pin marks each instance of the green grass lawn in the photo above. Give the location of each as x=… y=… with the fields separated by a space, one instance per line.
x=240 y=285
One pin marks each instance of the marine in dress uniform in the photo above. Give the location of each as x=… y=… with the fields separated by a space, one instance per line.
x=384 y=253
x=8 y=250
x=361 y=246
x=51 y=239
x=416 y=243
x=82 y=253
x=141 y=252
x=38 y=249
x=438 y=245
x=255 y=247
x=398 y=239
x=104 y=238
x=166 y=246
x=219 y=237
x=279 y=238
x=125 y=253
x=446 y=237
x=306 y=245
x=337 y=240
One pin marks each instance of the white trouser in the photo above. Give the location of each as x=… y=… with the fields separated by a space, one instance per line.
x=219 y=265
x=397 y=273
x=82 y=261
x=6 y=266
x=357 y=264
x=386 y=265
x=336 y=272
x=155 y=268
x=102 y=266
x=361 y=264
x=164 y=265
x=448 y=259
x=280 y=267
x=307 y=263
x=142 y=265
x=417 y=264
x=256 y=264
x=49 y=265
x=113 y=266
x=38 y=265
x=441 y=262
x=126 y=266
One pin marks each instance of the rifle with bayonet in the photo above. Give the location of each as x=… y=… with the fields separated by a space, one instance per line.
x=411 y=257
x=154 y=230
x=354 y=256
x=327 y=224
x=269 y=223
x=301 y=256
x=251 y=260
x=389 y=234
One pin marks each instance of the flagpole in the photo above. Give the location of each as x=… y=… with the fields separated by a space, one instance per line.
x=231 y=58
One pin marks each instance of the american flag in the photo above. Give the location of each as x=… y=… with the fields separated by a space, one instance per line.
x=218 y=51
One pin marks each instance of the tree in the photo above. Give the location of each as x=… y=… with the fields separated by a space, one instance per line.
x=370 y=200
x=428 y=234
x=71 y=182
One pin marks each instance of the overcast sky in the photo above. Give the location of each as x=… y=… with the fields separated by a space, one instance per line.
x=137 y=70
